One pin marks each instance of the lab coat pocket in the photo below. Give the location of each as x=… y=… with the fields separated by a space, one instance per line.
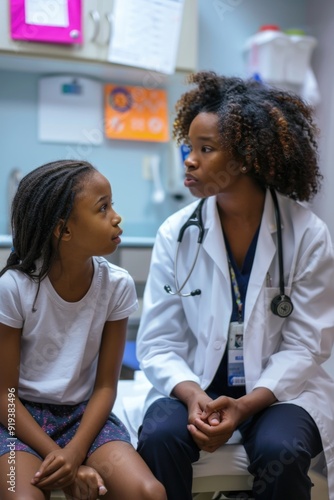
x=274 y=322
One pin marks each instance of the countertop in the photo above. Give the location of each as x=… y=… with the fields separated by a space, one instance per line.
x=5 y=241
x=137 y=241
x=127 y=241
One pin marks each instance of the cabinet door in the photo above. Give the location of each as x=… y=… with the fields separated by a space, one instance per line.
x=97 y=15
x=104 y=32
x=46 y=22
x=187 y=54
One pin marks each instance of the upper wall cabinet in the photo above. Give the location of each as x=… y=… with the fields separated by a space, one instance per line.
x=96 y=24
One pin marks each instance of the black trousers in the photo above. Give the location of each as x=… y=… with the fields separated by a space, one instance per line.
x=280 y=442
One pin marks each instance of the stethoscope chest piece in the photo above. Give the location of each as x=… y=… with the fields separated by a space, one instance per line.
x=281 y=306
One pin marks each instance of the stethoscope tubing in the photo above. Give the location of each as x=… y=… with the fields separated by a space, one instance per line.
x=194 y=220
x=180 y=288
x=279 y=240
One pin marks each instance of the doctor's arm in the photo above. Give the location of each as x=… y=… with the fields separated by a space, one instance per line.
x=164 y=340
x=307 y=335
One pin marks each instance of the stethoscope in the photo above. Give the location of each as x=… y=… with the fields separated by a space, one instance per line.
x=281 y=305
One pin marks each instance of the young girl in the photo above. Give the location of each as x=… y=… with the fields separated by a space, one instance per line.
x=63 y=321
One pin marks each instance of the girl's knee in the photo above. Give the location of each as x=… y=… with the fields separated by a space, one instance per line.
x=152 y=490
x=23 y=494
x=15 y=483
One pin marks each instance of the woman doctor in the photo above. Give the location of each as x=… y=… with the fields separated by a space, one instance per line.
x=239 y=342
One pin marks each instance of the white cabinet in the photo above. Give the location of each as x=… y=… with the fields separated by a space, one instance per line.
x=4 y=254
x=97 y=30
x=137 y=262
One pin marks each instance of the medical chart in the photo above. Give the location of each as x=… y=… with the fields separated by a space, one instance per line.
x=146 y=34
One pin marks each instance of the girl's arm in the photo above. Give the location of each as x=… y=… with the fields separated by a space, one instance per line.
x=98 y=408
x=20 y=422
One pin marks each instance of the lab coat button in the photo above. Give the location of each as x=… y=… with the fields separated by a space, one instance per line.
x=217 y=345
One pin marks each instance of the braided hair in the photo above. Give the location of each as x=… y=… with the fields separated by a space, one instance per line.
x=44 y=197
x=270 y=131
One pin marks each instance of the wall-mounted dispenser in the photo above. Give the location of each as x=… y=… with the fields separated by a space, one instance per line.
x=158 y=194
x=175 y=181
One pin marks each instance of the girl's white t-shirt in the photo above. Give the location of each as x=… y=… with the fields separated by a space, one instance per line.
x=61 y=340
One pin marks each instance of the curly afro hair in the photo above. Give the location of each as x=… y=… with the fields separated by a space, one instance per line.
x=270 y=131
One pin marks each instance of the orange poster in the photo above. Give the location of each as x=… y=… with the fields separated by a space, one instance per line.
x=136 y=113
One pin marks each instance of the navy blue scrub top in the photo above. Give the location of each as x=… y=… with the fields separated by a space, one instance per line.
x=219 y=385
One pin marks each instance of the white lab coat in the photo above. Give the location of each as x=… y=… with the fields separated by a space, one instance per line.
x=183 y=339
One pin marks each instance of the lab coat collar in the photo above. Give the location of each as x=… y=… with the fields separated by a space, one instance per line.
x=265 y=253
x=214 y=243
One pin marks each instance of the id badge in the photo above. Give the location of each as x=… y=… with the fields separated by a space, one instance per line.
x=235 y=368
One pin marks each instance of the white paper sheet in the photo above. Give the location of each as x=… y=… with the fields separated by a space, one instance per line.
x=47 y=13
x=146 y=34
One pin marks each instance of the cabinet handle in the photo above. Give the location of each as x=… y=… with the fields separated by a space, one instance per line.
x=74 y=33
x=110 y=20
x=95 y=15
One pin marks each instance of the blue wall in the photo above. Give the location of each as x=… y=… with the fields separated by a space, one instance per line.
x=224 y=25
